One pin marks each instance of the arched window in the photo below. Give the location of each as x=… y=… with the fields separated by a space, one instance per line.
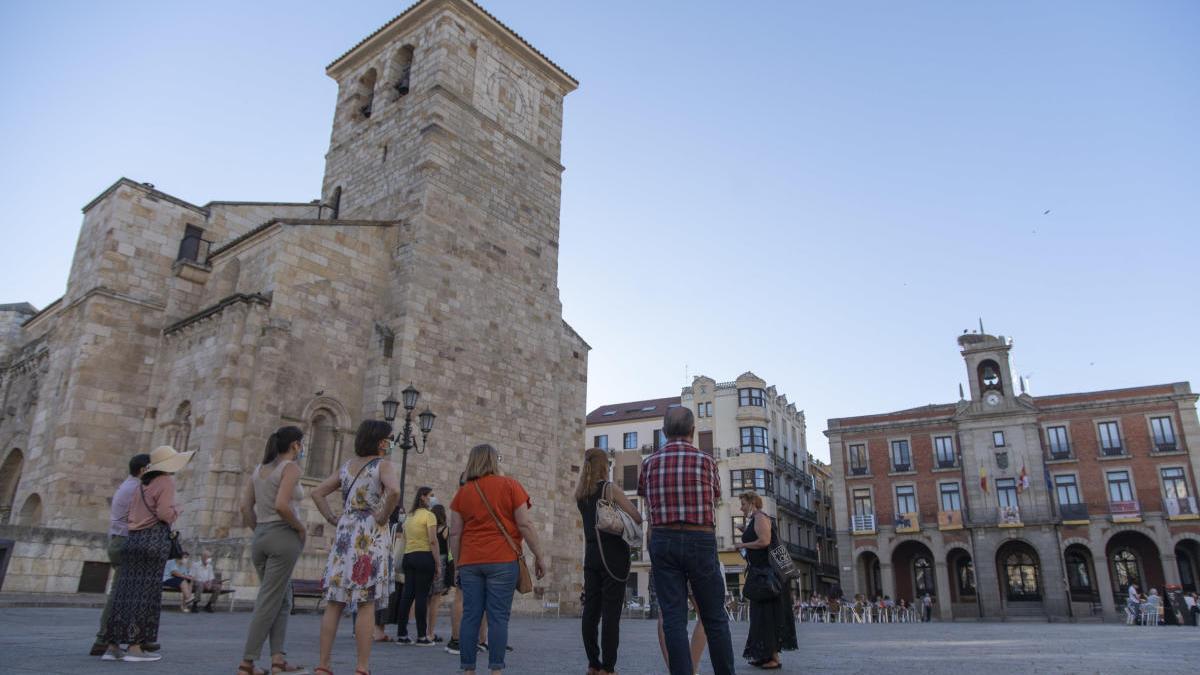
x=180 y=429
x=322 y=444
x=401 y=71
x=31 y=512
x=366 y=92
x=1021 y=573
x=965 y=573
x=1126 y=569
x=923 y=577
x=1079 y=574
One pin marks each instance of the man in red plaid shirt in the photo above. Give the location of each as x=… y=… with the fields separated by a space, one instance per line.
x=681 y=486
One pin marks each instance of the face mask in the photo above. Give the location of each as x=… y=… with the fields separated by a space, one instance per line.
x=433 y=501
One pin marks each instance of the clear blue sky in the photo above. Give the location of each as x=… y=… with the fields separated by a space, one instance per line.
x=826 y=194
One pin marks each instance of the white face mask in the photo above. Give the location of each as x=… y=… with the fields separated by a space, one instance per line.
x=433 y=501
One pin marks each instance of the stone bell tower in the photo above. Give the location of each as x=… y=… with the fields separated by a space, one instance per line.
x=449 y=124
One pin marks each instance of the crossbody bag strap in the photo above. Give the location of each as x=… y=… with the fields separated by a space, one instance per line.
x=350 y=490
x=512 y=544
x=600 y=541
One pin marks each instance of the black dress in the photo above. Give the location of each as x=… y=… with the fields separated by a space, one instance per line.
x=603 y=587
x=772 y=625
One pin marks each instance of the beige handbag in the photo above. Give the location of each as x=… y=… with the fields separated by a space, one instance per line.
x=608 y=514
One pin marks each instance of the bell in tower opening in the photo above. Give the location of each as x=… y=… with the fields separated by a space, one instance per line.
x=989 y=376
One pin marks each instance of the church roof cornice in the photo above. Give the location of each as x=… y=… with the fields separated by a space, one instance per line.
x=423 y=8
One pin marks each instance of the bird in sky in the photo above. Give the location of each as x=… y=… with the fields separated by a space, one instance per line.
x=1046 y=212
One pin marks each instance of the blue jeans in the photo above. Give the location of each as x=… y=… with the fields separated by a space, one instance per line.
x=487 y=586
x=681 y=558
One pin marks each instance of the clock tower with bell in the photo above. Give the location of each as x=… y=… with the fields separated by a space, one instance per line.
x=988 y=370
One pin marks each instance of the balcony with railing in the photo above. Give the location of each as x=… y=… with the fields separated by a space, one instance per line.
x=907 y=522
x=1009 y=516
x=828 y=569
x=1125 y=511
x=950 y=520
x=904 y=467
x=1073 y=513
x=806 y=513
x=944 y=463
x=803 y=553
x=1166 y=446
x=1058 y=451
x=863 y=523
x=858 y=470
x=1181 y=508
x=1113 y=448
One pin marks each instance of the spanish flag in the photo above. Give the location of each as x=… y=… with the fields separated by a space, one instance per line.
x=983 y=479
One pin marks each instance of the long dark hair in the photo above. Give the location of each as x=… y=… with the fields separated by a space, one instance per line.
x=421 y=492
x=439 y=512
x=280 y=441
x=151 y=475
x=370 y=432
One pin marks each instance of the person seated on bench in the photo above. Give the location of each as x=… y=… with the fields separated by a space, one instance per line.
x=177 y=575
x=204 y=579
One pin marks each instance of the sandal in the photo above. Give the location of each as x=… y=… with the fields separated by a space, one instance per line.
x=318 y=670
x=286 y=667
x=766 y=665
x=251 y=670
x=385 y=638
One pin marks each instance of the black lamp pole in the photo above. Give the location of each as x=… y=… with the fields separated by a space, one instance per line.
x=405 y=438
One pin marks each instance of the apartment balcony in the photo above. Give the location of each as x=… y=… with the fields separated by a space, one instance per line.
x=862 y=523
x=1171 y=446
x=1115 y=450
x=950 y=520
x=1009 y=516
x=947 y=463
x=907 y=522
x=902 y=468
x=1181 y=508
x=858 y=471
x=1073 y=514
x=1127 y=511
x=807 y=514
x=1058 y=452
x=828 y=569
x=805 y=553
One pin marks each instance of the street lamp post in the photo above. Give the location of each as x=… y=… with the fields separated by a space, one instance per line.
x=405 y=438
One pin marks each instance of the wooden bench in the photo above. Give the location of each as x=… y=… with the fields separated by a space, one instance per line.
x=307 y=588
x=223 y=592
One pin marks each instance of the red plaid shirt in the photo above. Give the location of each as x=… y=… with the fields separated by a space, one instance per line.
x=680 y=484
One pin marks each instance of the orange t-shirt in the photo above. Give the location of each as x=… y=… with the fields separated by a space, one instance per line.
x=481 y=539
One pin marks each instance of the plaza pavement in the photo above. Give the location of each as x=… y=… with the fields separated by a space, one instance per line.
x=56 y=640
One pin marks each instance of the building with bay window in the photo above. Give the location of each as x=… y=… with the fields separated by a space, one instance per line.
x=1008 y=505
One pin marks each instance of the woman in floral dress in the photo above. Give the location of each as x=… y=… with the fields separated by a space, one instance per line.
x=359 y=571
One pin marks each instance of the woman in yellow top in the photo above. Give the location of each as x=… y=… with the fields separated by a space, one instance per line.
x=422 y=563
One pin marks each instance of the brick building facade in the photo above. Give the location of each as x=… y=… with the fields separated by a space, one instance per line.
x=1007 y=505
x=431 y=257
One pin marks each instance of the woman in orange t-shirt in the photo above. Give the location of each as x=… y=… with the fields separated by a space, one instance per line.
x=486 y=562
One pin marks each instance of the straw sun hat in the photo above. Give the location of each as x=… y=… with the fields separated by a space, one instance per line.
x=166 y=459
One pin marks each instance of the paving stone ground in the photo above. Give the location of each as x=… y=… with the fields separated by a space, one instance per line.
x=49 y=640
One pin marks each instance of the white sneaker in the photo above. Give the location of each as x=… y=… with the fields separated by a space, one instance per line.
x=109 y=655
x=141 y=657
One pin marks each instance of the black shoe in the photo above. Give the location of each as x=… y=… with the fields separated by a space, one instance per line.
x=437 y=638
x=452 y=646
x=424 y=642
x=98 y=649
x=151 y=646
x=404 y=639
x=208 y=608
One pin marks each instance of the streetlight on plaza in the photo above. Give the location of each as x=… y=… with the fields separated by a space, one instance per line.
x=404 y=438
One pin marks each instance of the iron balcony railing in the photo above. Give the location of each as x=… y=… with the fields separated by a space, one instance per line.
x=807 y=513
x=1008 y=516
x=829 y=569
x=943 y=463
x=1180 y=506
x=1073 y=511
x=1058 y=451
x=1111 y=450
x=1165 y=446
x=1125 y=509
x=864 y=522
x=858 y=471
x=901 y=468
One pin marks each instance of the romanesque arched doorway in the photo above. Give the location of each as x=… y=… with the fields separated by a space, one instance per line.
x=1133 y=559
x=913 y=565
x=10 y=477
x=1019 y=570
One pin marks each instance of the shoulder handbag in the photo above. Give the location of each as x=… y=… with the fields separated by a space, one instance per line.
x=762 y=583
x=176 y=551
x=524 y=581
x=612 y=519
x=781 y=560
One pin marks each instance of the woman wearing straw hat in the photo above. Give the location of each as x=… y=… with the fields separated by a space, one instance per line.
x=137 y=598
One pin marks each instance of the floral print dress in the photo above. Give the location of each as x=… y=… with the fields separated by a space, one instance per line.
x=360 y=562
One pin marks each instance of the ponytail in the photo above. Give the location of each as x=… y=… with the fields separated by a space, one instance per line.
x=280 y=441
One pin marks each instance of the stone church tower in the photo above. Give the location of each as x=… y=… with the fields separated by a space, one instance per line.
x=430 y=258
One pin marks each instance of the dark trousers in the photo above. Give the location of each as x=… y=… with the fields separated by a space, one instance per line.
x=603 y=596
x=683 y=558
x=418 y=579
x=115 y=544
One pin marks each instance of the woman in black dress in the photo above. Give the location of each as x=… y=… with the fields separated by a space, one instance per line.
x=772 y=624
x=605 y=565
